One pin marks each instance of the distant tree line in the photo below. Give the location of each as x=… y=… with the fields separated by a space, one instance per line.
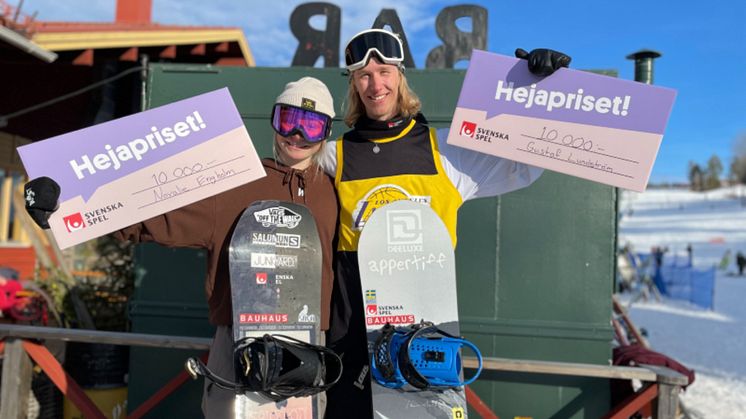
x=707 y=177
x=704 y=178
x=738 y=165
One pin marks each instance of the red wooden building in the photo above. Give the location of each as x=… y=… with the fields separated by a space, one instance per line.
x=63 y=76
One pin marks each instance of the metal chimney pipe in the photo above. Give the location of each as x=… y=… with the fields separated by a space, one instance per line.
x=644 y=64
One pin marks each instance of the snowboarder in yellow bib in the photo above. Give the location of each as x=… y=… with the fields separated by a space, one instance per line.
x=390 y=154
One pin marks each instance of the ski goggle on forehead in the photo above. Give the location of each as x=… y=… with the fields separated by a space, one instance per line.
x=312 y=126
x=386 y=45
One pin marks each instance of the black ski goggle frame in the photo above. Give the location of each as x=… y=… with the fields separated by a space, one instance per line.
x=384 y=44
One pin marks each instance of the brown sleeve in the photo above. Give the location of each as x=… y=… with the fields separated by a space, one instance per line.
x=188 y=226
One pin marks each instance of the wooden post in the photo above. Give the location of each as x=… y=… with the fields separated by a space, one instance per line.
x=669 y=387
x=19 y=233
x=16 y=381
x=6 y=187
x=668 y=401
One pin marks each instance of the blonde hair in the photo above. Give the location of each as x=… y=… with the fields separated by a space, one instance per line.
x=408 y=104
x=315 y=159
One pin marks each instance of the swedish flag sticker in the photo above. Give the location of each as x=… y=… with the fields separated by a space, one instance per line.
x=370 y=295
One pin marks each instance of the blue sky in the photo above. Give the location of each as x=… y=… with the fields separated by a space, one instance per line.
x=703 y=46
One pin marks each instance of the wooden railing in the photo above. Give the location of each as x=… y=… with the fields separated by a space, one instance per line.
x=661 y=385
x=18 y=348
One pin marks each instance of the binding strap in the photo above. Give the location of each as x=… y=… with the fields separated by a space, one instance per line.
x=422 y=355
x=277 y=366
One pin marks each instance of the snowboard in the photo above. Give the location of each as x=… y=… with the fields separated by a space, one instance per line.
x=275 y=274
x=407 y=272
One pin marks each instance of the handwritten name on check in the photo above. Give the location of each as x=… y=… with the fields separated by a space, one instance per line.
x=582 y=124
x=130 y=169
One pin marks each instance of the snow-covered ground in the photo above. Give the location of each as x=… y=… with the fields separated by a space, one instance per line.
x=712 y=342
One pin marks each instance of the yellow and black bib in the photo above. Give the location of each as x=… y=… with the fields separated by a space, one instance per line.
x=383 y=162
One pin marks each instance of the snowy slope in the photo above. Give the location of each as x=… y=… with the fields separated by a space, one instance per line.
x=713 y=343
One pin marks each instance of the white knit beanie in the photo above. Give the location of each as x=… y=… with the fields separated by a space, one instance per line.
x=308 y=93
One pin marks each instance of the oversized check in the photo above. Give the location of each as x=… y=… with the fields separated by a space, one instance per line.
x=130 y=169
x=582 y=124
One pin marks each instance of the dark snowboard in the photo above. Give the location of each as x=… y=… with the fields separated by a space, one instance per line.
x=275 y=271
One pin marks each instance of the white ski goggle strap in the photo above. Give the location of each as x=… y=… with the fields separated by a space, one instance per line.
x=386 y=45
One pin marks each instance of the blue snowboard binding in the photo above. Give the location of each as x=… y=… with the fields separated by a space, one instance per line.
x=422 y=355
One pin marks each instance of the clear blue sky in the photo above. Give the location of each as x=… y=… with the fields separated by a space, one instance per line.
x=703 y=46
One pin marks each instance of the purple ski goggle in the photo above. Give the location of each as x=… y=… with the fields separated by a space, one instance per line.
x=312 y=126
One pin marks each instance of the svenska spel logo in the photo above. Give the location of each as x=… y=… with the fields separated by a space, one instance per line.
x=261 y=278
x=74 y=222
x=468 y=129
x=371 y=309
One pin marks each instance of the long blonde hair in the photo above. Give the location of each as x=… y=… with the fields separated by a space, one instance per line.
x=408 y=104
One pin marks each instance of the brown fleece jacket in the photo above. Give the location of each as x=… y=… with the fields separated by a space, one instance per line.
x=209 y=224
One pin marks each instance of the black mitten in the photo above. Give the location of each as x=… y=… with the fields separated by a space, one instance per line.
x=543 y=62
x=41 y=196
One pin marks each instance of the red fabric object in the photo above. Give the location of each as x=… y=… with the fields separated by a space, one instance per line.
x=8 y=292
x=634 y=355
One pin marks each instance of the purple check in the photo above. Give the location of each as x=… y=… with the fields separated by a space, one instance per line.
x=587 y=125
x=130 y=169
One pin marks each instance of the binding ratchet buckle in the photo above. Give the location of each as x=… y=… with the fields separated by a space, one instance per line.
x=422 y=355
x=276 y=366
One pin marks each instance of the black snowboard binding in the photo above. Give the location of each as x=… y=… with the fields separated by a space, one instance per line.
x=277 y=366
x=422 y=355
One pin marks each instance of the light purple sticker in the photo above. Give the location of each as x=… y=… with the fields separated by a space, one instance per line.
x=83 y=160
x=132 y=169
x=582 y=124
x=503 y=85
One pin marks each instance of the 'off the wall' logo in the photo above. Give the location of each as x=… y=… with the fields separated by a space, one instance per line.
x=468 y=129
x=74 y=222
x=278 y=217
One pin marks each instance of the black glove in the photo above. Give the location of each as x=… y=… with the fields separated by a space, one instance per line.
x=543 y=62
x=41 y=195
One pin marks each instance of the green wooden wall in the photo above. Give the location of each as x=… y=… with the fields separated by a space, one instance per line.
x=535 y=267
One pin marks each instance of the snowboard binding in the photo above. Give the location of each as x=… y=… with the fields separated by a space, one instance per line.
x=422 y=355
x=277 y=366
